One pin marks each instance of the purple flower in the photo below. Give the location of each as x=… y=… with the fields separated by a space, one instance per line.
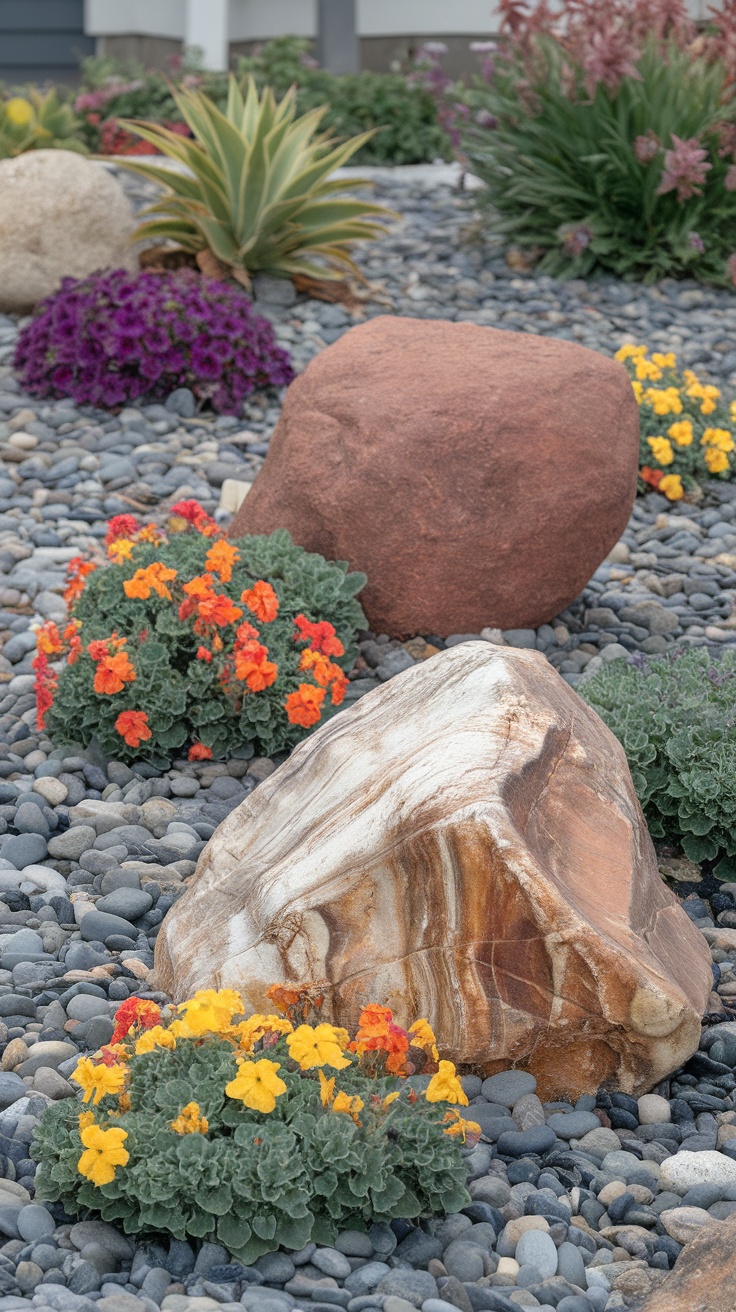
x=647 y=147
x=109 y=339
x=485 y=119
x=695 y=242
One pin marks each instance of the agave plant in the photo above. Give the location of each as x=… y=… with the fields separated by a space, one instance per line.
x=37 y=122
x=256 y=191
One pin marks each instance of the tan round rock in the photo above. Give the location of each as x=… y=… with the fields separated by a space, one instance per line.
x=52 y=790
x=654 y=1110
x=684 y=1223
x=611 y=1191
x=15 y=1053
x=60 y=216
x=478 y=477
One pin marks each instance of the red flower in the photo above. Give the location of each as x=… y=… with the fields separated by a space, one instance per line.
x=651 y=476
x=44 y=687
x=120 y=526
x=262 y=601
x=133 y=727
x=204 y=655
x=76 y=572
x=192 y=512
x=320 y=635
x=198 y=752
x=135 y=1011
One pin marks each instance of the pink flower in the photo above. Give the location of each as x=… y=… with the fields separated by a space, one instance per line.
x=685 y=167
x=729 y=181
x=646 y=147
x=695 y=242
x=608 y=57
x=575 y=239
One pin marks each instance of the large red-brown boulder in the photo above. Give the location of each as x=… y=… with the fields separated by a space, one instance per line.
x=463 y=844
x=478 y=477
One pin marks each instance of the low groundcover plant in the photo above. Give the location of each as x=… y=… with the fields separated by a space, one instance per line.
x=674 y=715
x=256 y=1131
x=111 y=338
x=186 y=637
x=686 y=433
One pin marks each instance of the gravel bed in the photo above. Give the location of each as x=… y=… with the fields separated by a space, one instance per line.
x=583 y=1208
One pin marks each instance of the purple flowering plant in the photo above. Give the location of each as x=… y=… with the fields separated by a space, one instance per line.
x=112 y=338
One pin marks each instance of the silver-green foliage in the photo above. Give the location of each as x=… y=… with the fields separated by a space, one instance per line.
x=675 y=717
x=254 y=1181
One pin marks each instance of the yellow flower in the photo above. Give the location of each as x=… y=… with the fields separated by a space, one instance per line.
x=121 y=549
x=661 y=450
x=85 y=1119
x=326 y=1089
x=667 y=361
x=190 y=1120
x=257 y=1085
x=629 y=352
x=211 y=1011
x=645 y=369
x=732 y=412
x=672 y=487
x=390 y=1097
x=19 y=111
x=445 y=1086
x=248 y=1032
x=638 y=391
x=423 y=1037
x=156 y=1037
x=320 y=1045
x=664 y=400
x=104 y=1151
x=98 y=1081
x=706 y=393
x=681 y=432
x=459 y=1126
x=719 y=437
x=717 y=461
x=344 y=1103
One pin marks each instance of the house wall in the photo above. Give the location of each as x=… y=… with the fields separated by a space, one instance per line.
x=42 y=40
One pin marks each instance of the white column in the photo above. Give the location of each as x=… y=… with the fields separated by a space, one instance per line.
x=208 y=26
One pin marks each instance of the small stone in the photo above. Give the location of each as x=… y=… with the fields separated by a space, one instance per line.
x=535 y=1248
x=684 y=1223
x=415 y=1286
x=332 y=1262
x=108 y=1236
x=353 y=1243
x=654 y=1110
x=464 y=1261
x=35 y=1223
x=53 y=790
x=508 y=1086
x=15 y=1053
x=11 y=1089
x=69 y=846
x=685 y=1169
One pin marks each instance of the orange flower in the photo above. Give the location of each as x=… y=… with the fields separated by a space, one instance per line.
x=113 y=672
x=204 y=655
x=152 y=579
x=71 y=635
x=320 y=635
x=121 y=549
x=304 y=707
x=198 y=752
x=133 y=727
x=325 y=672
x=135 y=1011
x=193 y=514
x=651 y=476
x=252 y=665
x=48 y=639
x=150 y=534
x=262 y=601
x=76 y=572
x=220 y=560
x=339 y=688
x=44 y=687
x=377 y=1032
x=211 y=607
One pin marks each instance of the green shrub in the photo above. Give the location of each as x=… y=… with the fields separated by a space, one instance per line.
x=403 y=113
x=675 y=717
x=164 y=649
x=252 y=1133
x=633 y=175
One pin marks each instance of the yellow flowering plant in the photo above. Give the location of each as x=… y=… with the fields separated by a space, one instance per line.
x=687 y=429
x=257 y=1130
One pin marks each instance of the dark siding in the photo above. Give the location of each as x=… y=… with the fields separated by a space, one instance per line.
x=42 y=40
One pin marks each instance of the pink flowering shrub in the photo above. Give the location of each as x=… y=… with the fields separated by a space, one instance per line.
x=606 y=132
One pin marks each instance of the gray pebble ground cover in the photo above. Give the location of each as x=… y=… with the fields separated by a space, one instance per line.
x=580 y=1208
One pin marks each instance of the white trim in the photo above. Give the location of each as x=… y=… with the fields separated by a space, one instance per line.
x=208 y=28
x=165 y=18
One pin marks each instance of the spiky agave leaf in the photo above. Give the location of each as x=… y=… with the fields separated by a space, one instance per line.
x=257 y=191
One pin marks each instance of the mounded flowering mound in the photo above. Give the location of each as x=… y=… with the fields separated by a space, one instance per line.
x=111 y=338
x=256 y=1131
x=686 y=432
x=189 y=638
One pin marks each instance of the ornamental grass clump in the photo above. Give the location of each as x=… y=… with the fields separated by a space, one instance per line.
x=675 y=717
x=256 y=1131
x=37 y=122
x=686 y=428
x=189 y=640
x=112 y=338
x=606 y=134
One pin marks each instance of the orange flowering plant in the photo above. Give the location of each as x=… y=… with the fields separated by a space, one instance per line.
x=186 y=639
x=255 y=1130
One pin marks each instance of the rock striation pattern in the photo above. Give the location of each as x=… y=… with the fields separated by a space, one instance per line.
x=465 y=844
x=478 y=477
